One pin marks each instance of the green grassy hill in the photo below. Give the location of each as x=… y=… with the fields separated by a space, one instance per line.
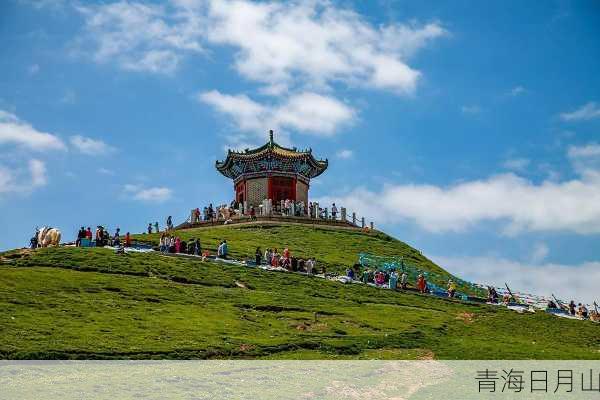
x=91 y=303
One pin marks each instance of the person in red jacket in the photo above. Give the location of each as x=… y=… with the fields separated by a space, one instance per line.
x=127 y=240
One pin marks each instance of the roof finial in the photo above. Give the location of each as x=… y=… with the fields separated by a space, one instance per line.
x=271 y=136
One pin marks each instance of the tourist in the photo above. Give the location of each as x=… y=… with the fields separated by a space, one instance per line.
x=492 y=295
x=393 y=282
x=169 y=223
x=88 y=233
x=156 y=226
x=222 y=250
x=80 y=235
x=197 y=247
x=301 y=265
x=177 y=244
x=33 y=242
x=403 y=280
x=252 y=213
x=286 y=253
x=267 y=256
x=258 y=256
x=171 y=244
x=350 y=273
x=149 y=228
x=161 y=242
x=421 y=283
x=310 y=265
x=365 y=276
x=333 y=211
x=127 y=240
x=379 y=278
x=275 y=258
x=183 y=247
x=451 y=288
x=572 y=307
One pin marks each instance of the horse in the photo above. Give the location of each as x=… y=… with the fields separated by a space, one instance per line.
x=48 y=236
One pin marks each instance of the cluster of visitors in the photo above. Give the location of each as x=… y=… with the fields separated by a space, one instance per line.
x=323 y=213
x=580 y=310
x=174 y=244
x=272 y=258
x=101 y=237
x=293 y=208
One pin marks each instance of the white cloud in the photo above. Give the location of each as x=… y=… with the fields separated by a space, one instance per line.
x=517 y=90
x=20 y=133
x=571 y=205
x=153 y=194
x=472 y=109
x=14 y=180
x=311 y=43
x=578 y=282
x=140 y=37
x=344 y=154
x=305 y=45
x=588 y=111
x=90 y=146
x=516 y=164
x=586 y=159
x=539 y=252
x=309 y=113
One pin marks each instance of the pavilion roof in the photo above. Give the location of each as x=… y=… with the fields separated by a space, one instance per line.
x=270 y=150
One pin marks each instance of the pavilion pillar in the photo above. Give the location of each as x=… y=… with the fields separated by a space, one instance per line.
x=363 y=222
x=371 y=225
x=343 y=214
x=270 y=187
x=315 y=210
x=354 y=218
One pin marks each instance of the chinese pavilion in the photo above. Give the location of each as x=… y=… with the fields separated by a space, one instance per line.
x=271 y=172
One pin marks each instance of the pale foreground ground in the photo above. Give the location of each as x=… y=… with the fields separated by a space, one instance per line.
x=368 y=380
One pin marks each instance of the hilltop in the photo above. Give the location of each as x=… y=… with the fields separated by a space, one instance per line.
x=92 y=303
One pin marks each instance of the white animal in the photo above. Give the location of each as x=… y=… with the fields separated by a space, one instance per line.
x=48 y=236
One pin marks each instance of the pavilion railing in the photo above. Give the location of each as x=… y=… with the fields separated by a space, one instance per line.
x=281 y=209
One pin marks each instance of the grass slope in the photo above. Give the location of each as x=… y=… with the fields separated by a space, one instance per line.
x=91 y=303
x=335 y=248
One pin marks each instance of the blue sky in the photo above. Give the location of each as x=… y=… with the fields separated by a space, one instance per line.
x=470 y=130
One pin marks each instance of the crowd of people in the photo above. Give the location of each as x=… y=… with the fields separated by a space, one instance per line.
x=272 y=258
x=288 y=207
x=101 y=237
x=174 y=244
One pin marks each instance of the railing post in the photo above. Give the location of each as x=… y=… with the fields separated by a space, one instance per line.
x=363 y=222
x=354 y=218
